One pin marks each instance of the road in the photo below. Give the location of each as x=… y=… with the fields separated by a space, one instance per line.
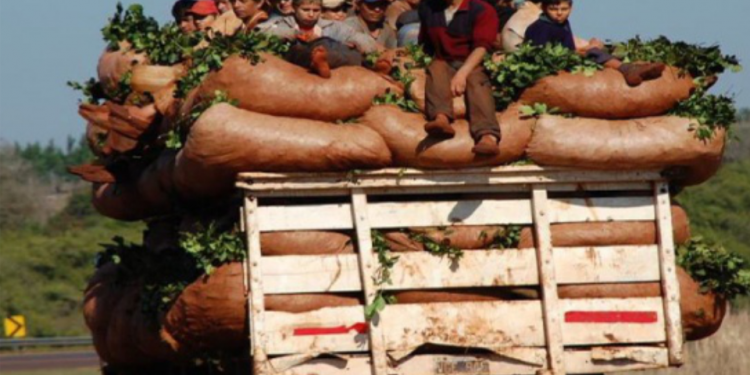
x=44 y=361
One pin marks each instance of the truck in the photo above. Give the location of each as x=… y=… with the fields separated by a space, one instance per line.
x=546 y=335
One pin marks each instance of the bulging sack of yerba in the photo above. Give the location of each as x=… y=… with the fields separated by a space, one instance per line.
x=606 y=95
x=411 y=147
x=276 y=87
x=227 y=140
x=667 y=142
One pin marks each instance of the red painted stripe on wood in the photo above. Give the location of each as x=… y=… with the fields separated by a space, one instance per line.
x=360 y=328
x=642 y=317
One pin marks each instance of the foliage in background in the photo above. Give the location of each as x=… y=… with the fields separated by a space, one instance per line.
x=696 y=60
x=521 y=69
x=720 y=208
x=715 y=268
x=50 y=161
x=46 y=266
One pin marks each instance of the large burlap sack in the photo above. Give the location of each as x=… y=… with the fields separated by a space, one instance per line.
x=702 y=313
x=305 y=243
x=606 y=95
x=227 y=140
x=404 y=133
x=647 y=143
x=151 y=193
x=462 y=237
x=211 y=313
x=113 y=65
x=279 y=88
x=610 y=234
x=417 y=93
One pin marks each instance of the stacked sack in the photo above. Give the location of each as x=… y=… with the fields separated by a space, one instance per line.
x=283 y=119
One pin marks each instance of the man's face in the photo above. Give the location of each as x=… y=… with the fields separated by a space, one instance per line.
x=187 y=24
x=284 y=7
x=373 y=12
x=246 y=9
x=307 y=14
x=335 y=14
x=558 y=13
x=203 y=23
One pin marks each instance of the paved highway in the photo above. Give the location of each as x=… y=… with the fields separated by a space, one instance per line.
x=45 y=361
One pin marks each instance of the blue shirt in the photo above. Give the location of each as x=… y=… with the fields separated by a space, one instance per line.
x=545 y=31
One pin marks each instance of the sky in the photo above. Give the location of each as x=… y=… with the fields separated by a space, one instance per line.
x=45 y=43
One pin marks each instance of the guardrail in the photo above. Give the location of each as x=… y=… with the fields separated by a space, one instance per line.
x=42 y=342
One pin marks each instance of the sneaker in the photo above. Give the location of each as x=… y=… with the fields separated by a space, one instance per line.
x=440 y=127
x=488 y=145
x=319 y=64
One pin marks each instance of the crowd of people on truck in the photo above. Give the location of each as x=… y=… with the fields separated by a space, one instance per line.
x=458 y=34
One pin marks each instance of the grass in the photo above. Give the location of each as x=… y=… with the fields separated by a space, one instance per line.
x=725 y=353
x=79 y=371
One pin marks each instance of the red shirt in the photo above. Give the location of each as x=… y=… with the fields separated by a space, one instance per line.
x=474 y=25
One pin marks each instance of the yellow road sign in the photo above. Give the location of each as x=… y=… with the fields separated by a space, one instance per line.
x=15 y=327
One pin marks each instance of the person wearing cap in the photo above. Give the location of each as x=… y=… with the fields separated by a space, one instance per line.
x=370 y=20
x=204 y=13
x=181 y=17
x=335 y=10
x=459 y=34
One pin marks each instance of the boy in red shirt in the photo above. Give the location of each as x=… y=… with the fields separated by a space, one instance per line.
x=459 y=33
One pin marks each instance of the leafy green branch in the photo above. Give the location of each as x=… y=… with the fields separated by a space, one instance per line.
x=537 y=109
x=715 y=268
x=94 y=92
x=711 y=112
x=392 y=98
x=382 y=275
x=527 y=65
x=175 y=138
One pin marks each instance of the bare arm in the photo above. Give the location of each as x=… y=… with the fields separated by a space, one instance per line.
x=458 y=84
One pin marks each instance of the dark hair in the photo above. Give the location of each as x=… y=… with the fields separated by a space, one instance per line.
x=556 y=2
x=180 y=7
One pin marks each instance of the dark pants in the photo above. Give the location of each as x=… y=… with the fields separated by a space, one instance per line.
x=599 y=56
x=339 y=54
x=480 y=104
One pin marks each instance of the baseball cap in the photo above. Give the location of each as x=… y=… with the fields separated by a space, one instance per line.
x=330 y=4
x=374 y=1
x=204 y=8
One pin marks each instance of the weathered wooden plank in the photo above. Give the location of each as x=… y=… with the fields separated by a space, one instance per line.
x=573 y=210
x=441 y=178
x=256 y=304
x=548 y=281
x=620 y=264
x=477 y=268
x=597 y=360
x=368 y=271
x=613 y=321
x=503 y=324
x=670 y=284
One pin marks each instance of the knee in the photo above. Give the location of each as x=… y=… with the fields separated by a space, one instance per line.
x=477 y=80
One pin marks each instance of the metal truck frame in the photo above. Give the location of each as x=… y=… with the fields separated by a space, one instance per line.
x=545 y=336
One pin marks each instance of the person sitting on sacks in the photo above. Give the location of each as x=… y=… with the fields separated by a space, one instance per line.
x=553 y=27
x=335 y=10
x=322 y=45
x=397 y=8
x=408 y=28
x=203 y=14
x=370 y=20
x=459 y=33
